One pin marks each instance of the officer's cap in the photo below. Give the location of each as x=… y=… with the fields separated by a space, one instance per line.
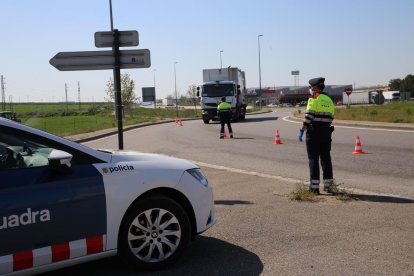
x=317 y=81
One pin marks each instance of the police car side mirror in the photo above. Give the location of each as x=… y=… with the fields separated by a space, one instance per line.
x=60 y=160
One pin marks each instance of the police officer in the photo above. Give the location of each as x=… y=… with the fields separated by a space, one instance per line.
x=224 y=113
x=317 y=123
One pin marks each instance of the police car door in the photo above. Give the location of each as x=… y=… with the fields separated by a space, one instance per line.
x=47 y=215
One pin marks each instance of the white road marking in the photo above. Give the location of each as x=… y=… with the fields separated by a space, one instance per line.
x=286 y=119
x=287 y=179
x=290 y=180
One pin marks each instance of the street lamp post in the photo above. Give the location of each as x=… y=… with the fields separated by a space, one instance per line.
x=175 y=84
x=155 y=97
x=260 y=73
x=221 y=63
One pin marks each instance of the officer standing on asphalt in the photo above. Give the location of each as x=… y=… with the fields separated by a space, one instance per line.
x=224 y=113
x=317 y=123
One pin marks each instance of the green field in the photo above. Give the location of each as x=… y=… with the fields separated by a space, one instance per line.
x=394 y=112
x=64 y=120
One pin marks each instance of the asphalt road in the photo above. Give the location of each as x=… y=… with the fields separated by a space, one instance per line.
x=386 y=168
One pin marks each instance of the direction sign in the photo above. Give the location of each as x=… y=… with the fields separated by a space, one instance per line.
x=106 y=39
x=100 y=60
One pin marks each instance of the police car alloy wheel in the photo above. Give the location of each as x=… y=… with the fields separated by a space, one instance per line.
x=154 y=233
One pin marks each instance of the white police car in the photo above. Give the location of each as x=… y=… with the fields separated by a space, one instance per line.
x=62 y=203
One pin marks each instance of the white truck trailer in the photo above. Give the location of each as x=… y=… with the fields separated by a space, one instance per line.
x=229 y=82
x=371 y=97
x=167 y=102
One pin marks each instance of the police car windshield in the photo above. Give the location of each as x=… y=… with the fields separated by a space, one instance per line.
x=217 y=90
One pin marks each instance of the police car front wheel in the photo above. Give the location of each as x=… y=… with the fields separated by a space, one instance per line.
x=154 y=233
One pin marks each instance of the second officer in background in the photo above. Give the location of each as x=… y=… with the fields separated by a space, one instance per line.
x=224 y=113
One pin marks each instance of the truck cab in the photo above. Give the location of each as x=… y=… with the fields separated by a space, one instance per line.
x=218 y=83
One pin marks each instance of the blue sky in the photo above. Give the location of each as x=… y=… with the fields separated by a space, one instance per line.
x=363 y=42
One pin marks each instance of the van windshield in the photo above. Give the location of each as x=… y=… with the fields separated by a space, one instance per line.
x=218 y=90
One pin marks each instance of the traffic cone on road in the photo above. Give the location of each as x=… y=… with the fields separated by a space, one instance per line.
x=358 y=146
x=277 y=140
x=225 y=134
x=179 y=122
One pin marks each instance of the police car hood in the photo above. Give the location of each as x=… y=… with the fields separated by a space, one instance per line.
x=154 y=160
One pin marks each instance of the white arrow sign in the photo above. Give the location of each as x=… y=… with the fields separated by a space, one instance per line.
x=106 y=39
x=100 y=60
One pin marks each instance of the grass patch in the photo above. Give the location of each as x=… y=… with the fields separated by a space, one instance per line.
x=64 y=120
x=340 y=193
x=393 y=112
x=302 y=193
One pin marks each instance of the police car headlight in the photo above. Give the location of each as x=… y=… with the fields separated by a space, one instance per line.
x=198 y=174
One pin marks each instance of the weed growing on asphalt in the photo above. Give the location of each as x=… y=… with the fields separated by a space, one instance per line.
x=340 y=193
x=302 y=193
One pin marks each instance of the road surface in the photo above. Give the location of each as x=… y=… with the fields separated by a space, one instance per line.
x=386 y=168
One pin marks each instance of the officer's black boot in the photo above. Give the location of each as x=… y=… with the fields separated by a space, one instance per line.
x=315 y=191
x=328 y=190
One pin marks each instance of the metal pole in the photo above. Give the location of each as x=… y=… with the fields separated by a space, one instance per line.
x=175 y=84
x=260 y=73
x=221 y=63
x=110 y=12
x=79 y=98
x=66 y=97
x=117 y=86
x=155 y=100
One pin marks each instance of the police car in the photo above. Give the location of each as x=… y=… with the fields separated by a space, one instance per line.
x=62 y=203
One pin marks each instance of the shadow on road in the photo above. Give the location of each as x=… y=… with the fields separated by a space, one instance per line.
x=232 y=202
x=204 y=256
x=261 y=119
x=382 y=198
x=243 y=138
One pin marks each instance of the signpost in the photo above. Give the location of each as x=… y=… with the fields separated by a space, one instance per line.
x=101 y=60
x=348 y=92
x=106 y=39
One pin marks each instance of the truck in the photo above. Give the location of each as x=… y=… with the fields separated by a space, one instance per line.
x=228 y=82
x=366 y=97
x=167 y=102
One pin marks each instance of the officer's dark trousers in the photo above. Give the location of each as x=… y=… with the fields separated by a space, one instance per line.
x=225 y=118
x=318 y=145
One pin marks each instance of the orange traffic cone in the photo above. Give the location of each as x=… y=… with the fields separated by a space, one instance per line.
x=225 y=134
x=358 y=146
x=277 y=140
x=179 y=122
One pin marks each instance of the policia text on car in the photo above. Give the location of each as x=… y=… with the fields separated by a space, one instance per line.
x=317 y=123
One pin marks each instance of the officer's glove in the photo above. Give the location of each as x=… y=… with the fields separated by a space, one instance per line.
x=300 y=135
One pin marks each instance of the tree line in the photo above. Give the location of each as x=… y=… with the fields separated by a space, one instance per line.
x=129 y=98
x=403 y=85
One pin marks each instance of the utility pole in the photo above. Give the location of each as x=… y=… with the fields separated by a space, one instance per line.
x=3 y=95
x=79 y=98
x=11 y=102
x=66 y=96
